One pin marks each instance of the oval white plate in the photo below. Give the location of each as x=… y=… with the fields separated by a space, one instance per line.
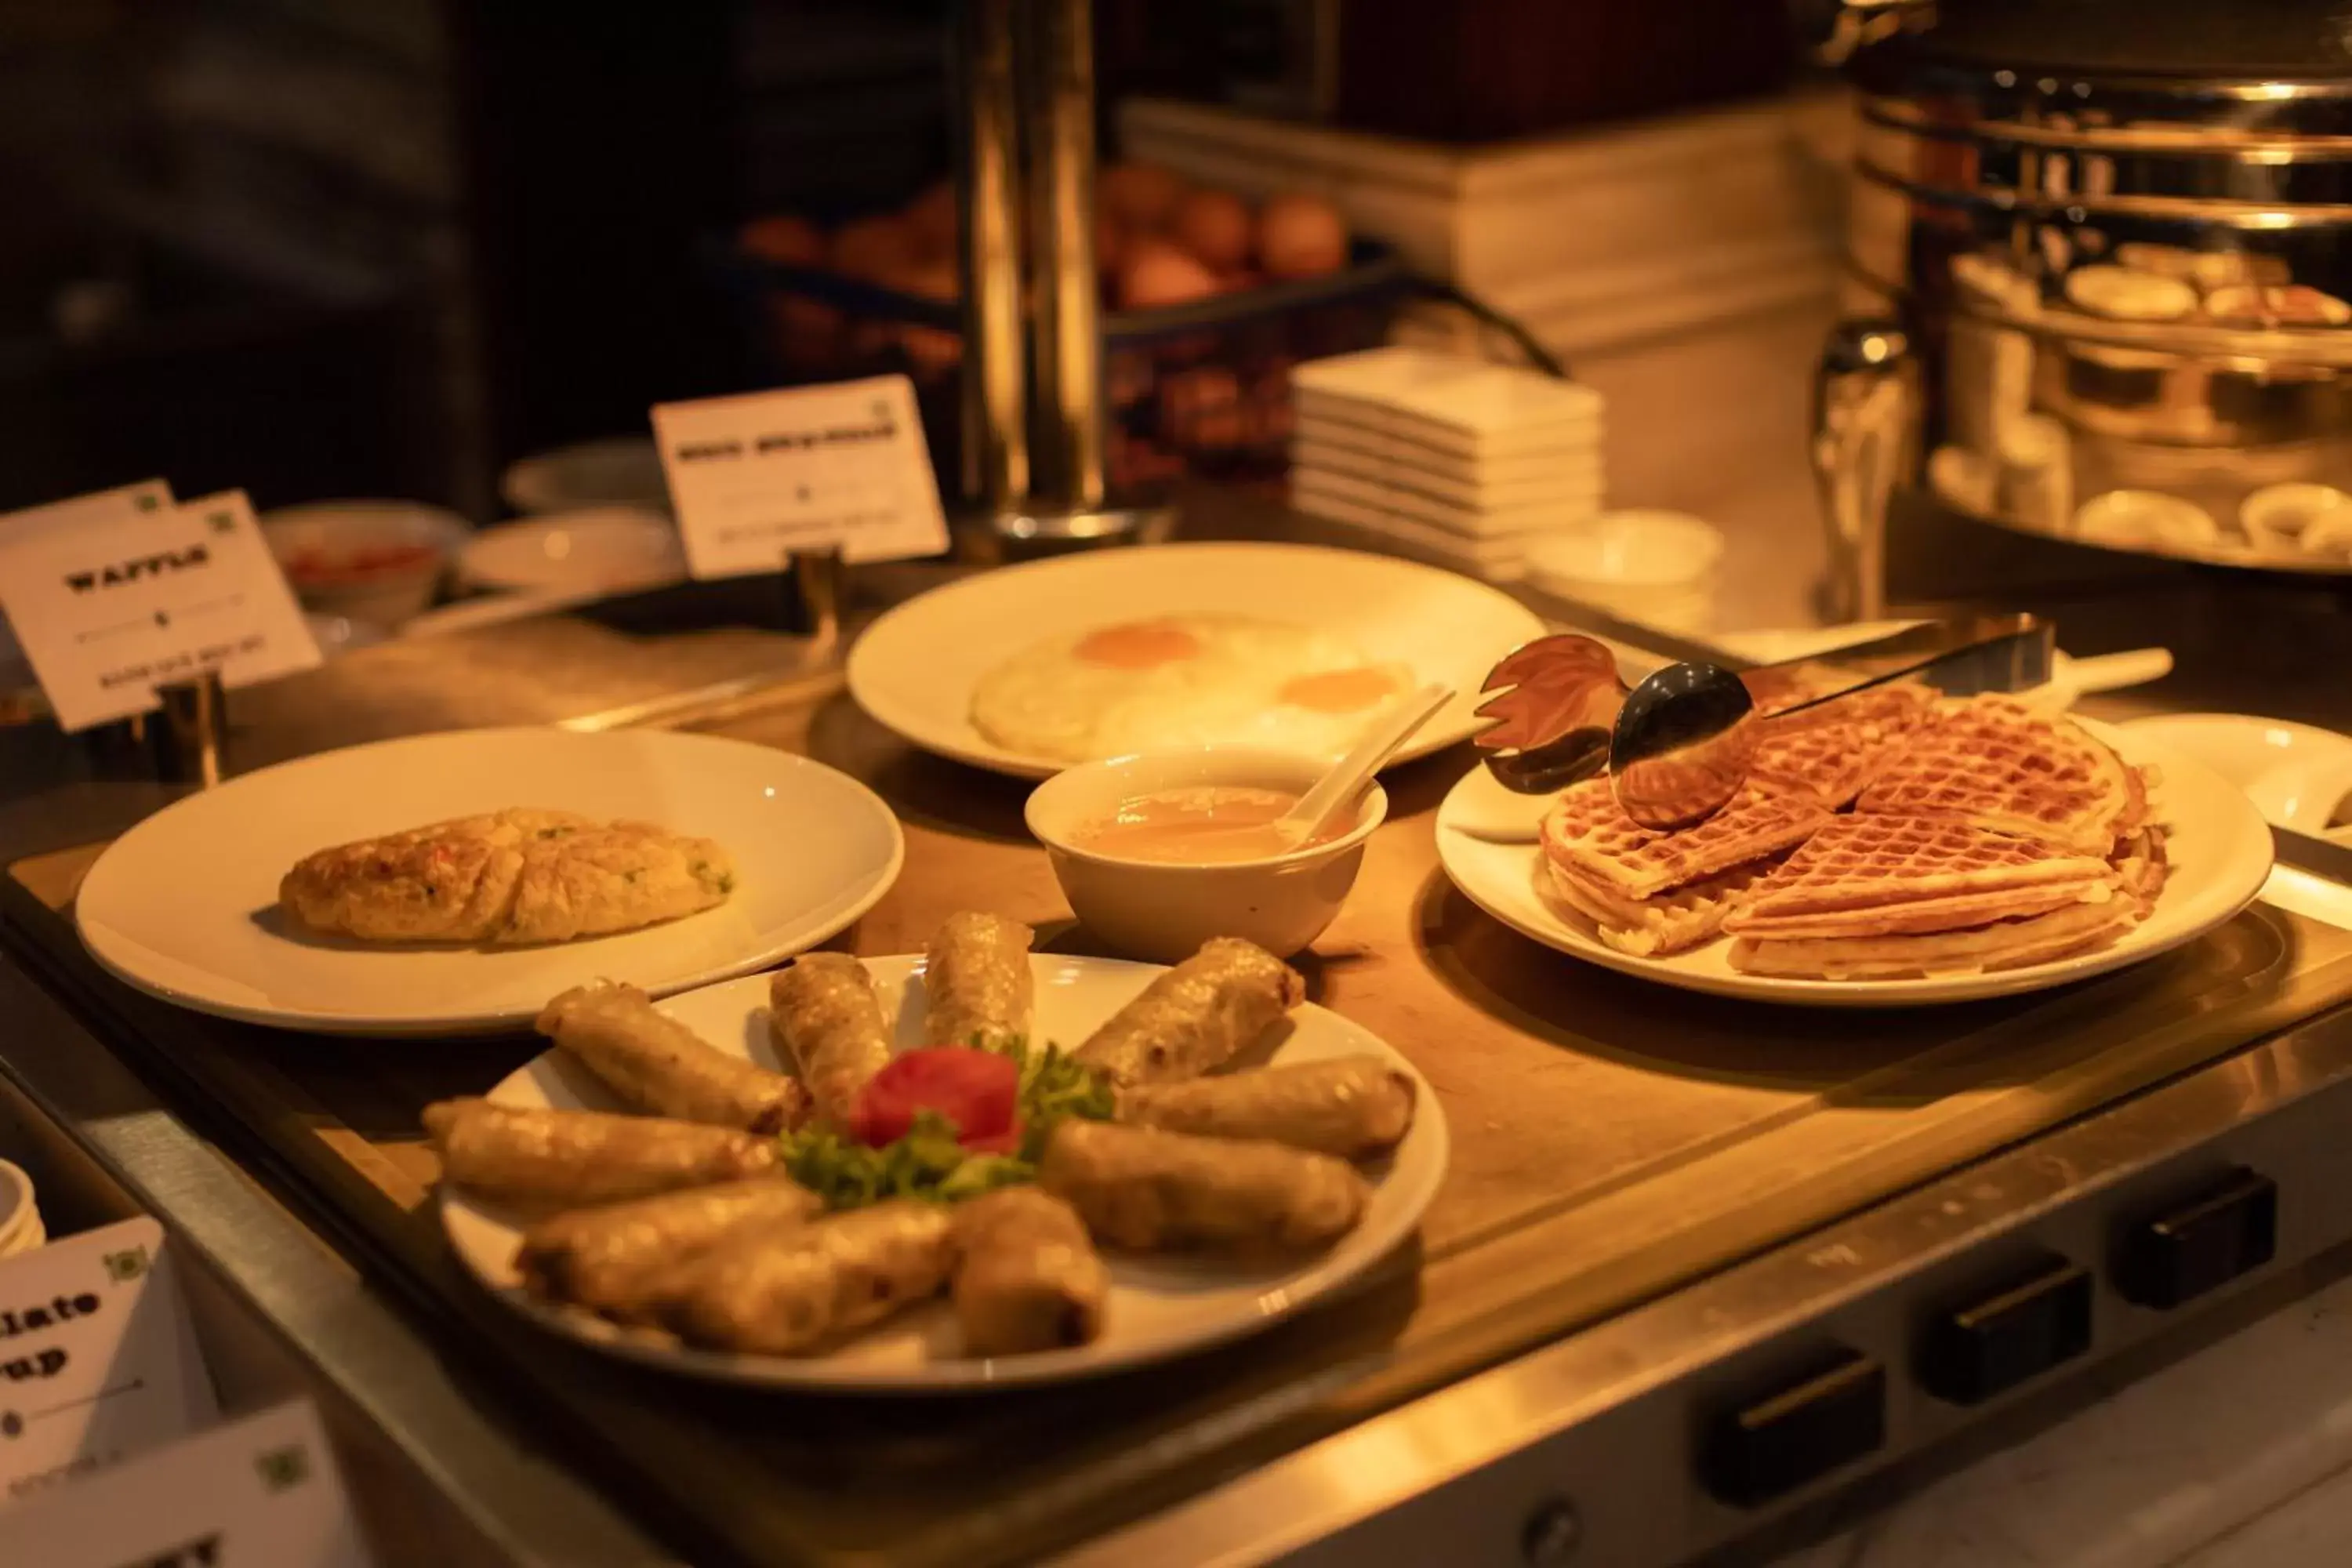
x=2219 y=845
x=606 y=550
x=1159 y=1307
x=184 y=905
x=1447 y=627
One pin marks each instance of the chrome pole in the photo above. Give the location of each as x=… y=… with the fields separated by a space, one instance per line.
x=988 y=203
x=1056 y=66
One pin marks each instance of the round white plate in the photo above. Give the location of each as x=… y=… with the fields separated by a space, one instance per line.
x=2219 y=845
x=608 y=549
x=186 y=904
x=2296 y=774
x=1159 y=1307
x=1446 y=628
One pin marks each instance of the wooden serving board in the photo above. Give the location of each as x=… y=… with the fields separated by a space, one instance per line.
x=1610 y=1139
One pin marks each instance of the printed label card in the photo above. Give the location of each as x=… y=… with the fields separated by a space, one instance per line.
x=760 y=477
x=262 y=1492
x=113 y=595
x=98 y=1362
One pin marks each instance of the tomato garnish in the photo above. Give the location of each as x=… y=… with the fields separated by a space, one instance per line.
x=978 y=1091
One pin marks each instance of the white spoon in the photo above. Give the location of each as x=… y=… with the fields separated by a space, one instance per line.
x=1337 y=790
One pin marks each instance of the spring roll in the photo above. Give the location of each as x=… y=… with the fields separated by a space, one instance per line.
x=660 y=1066
x=976 y=986
x=828 y=1018
x=1151 y=1191
x=1196 y=1017
x=1351 y=1107
x=617 y=1258
x=1026 y=1276
x=543 y=1157
x=789 y=1292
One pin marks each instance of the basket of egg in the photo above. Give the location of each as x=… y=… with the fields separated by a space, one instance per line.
x=1207 y=301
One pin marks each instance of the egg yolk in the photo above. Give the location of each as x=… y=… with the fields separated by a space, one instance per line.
x=1337 y=691
x=1139 y=645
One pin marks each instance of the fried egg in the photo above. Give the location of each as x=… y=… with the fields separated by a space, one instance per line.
x=1182 y=680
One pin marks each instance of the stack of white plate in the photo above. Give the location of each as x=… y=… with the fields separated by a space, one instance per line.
x=21 y=1226
x=1453 y=460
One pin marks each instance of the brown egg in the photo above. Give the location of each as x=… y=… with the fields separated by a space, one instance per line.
x=809 y=332
x=930 y=218
x=1156 y=273
x=937 y=278
x=785 y=239
x=1301 y=236
x=1141 y=196
x=1214 y=226
x=873 y=247
x=1110 y=243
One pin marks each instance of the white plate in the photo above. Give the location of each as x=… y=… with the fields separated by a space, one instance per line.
x=2219 y=845
x=184 y=905
x=2294 y=774
x=1159 y=1307
x=610 y=549
x=1447 y=627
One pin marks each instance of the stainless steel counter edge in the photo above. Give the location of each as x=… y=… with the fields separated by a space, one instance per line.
x=527 y=1506
x=1378 y=1491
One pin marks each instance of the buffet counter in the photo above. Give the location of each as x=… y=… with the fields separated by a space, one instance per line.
x=1655 y=1199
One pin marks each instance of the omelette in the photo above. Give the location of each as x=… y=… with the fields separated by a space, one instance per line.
x=508 y=879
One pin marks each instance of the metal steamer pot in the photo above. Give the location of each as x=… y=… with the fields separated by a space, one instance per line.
x=2098 y=279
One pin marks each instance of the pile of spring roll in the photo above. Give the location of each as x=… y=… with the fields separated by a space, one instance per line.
x=684 y=1218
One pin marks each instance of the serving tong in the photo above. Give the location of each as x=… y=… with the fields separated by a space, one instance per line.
x=1677 y=745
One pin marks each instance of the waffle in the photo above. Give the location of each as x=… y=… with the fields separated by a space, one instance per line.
x=1655 y=927
x=1866 y=877
x=1994 y=764
x=1997 y=945
x=1587 y=836
x=1832 y=751
x=2141 y=867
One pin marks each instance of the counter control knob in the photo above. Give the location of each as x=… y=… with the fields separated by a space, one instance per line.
x=1552 y=1534
x=1994 y=1345
x=1798 y=1433
x=2230 y=1229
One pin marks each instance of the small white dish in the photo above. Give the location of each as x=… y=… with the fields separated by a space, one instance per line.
x=2134 y=519
x=1164 y=911
x=601 y=550
x=618 y=470
x=375 y=560
x=2282 y=518
x=184 y=905
x=2296 y=774
x=1160 y=1307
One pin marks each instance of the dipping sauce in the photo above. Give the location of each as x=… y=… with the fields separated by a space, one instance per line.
x=1198 y=825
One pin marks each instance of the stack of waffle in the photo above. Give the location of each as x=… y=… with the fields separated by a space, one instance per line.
x=1653 y=893
x=1981 y=836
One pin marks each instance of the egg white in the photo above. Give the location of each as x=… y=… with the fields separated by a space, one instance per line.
x=1048 y=701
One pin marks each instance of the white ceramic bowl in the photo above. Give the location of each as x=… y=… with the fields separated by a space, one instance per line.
x=1155 y=911
x=374 y=561
x=604 y=549
x=1653 y=566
